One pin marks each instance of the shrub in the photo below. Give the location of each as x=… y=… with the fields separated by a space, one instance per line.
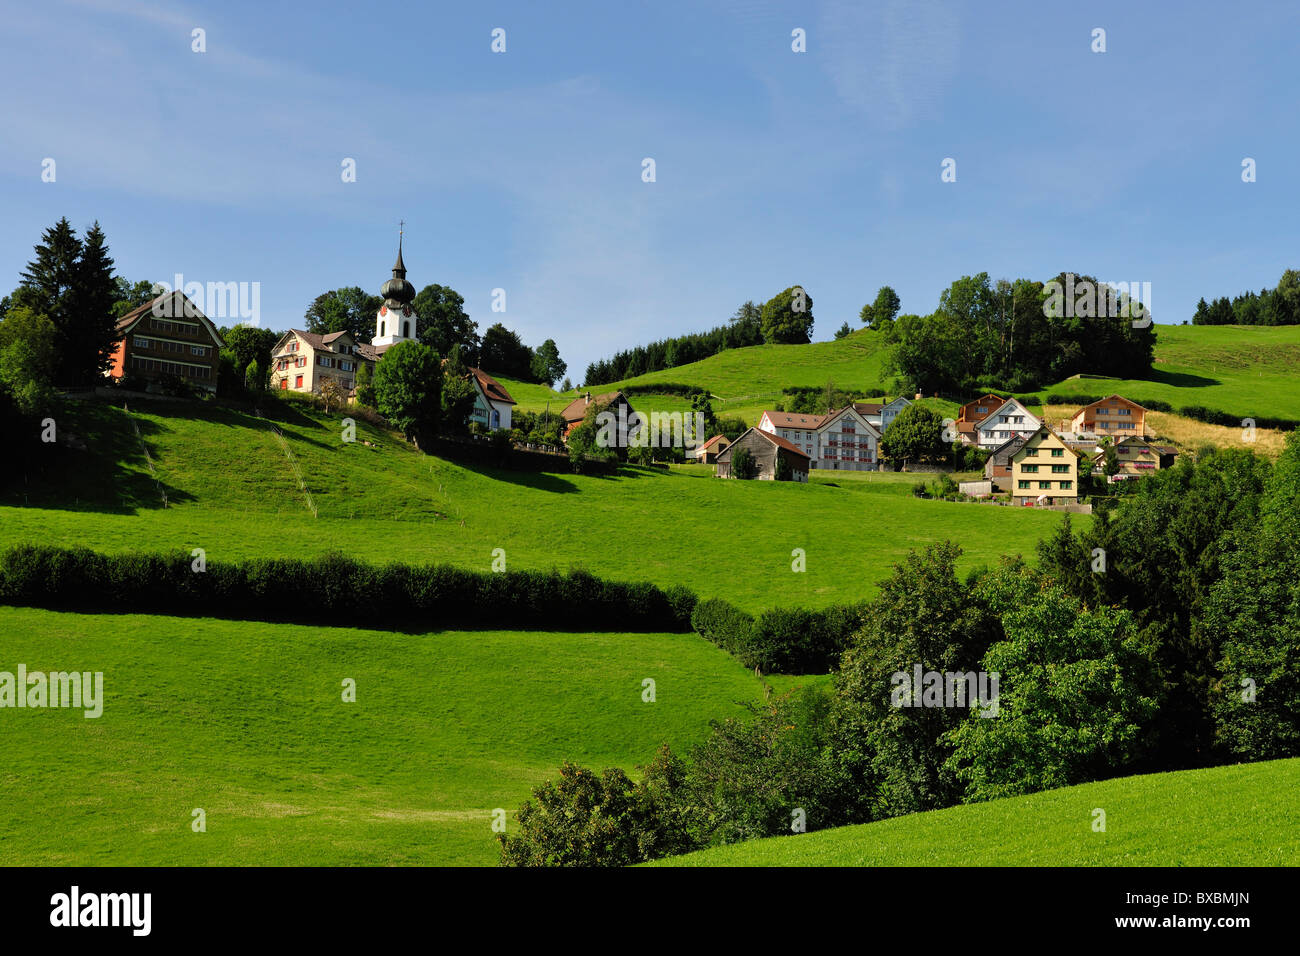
x=798 y=641
x=781 y=640
x=336 y=589
x=743 y=465
x=725 y=625
x=589 y=820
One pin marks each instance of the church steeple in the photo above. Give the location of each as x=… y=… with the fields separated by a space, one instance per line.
x=396 y=320
x=397 y=292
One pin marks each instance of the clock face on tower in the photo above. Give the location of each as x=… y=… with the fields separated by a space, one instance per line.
x=406 y=310
x=383 y=310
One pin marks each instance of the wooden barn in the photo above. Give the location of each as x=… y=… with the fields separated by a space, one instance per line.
x=767 y=449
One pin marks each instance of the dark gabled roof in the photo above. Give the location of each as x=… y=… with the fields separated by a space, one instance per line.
x=1010 y=446
x=493 y=389
x=125 y=323
x=774 y=439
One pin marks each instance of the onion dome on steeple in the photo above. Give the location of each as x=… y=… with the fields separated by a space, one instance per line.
x=397 y=292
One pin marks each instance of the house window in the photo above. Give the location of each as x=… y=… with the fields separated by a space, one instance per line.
x=1029 y=469
x=1045 y=486
x=298 y=382
x=1060 y=469
x=1031 y=452
x=198 y=350
x=141 y=342
x=293 y=346
x=325 y=362
x=1024 y=485
x=284 y=383
x=1067 y=485
x=284 y=365
x=1123 y=411
x=300 y=362
x=1058 y=452
x=406 y=330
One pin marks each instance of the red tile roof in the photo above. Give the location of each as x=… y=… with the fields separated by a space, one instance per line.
x=491 y=387
x=576 y=410
x=795 y=420
x=781 y=443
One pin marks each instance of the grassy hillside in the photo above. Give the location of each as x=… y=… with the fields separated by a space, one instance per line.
x=246 y=721
x=1242 y=370
x=1244 y=815
x=232 y=492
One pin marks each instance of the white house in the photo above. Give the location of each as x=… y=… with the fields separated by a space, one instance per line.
x=847 y=441
x=492 y=403
x=1006 y=422
x=844 y=440
x=890 y=412
x=795 y=427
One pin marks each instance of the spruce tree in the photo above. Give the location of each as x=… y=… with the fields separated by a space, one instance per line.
x=95 y=324
x=49 y=287
x=72 y=283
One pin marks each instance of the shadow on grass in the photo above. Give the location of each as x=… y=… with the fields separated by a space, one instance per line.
x=1181 y=379
x=98 y=464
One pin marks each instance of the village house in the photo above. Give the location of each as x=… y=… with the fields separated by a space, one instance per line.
x=1005 y=422
x=880 y=415
x=1045 y=470
x=888 y=413
x=767 y=450
x=305 y=361
x=972 y=413
x=615 y=403
x=795 y=427
x=998 y=468
x=1114 y=416
x=1136 y=457
x=846 y=441
x=492 y=403
x=707 y=454
x=168 y=337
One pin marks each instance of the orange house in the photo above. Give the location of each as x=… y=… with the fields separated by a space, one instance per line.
x=1114 y=416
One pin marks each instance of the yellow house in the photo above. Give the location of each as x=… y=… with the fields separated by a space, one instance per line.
x=1045 y=471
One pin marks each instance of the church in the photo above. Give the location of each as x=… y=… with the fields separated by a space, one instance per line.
x=305 y=361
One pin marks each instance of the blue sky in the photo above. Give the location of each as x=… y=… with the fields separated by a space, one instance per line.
x=522 y=170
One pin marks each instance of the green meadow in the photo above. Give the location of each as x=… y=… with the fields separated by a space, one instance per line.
x=1243 y=815
x=247 y=722
x=232 y=491
x=1242 y=370
x=1245 y=370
